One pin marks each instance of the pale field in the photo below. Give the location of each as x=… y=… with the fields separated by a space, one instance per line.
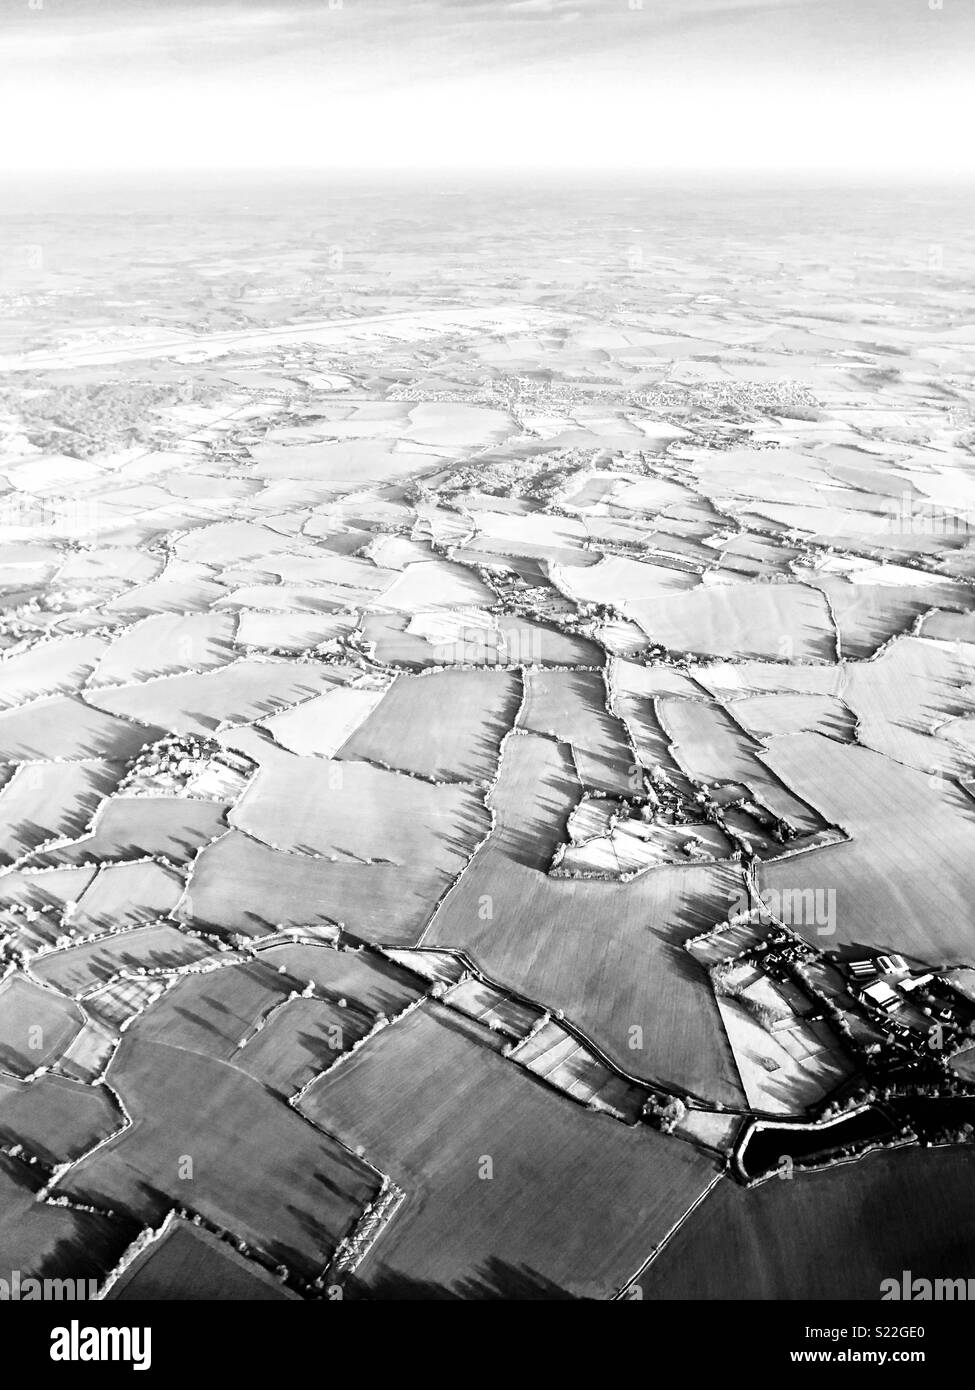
x=361 y=813
x=344 y=464
x=444 y=967
x=59 y=666
x=161 y=645
x=628 y=585
x=63 y=727
x=404 y=727
x=785 y=621
x=566 y=1064
x=731 y=680
x=177 y=590
x=632 y=848
x=725 y=941
x=962 y=732
x=493 y=1008
x=434 y=584
x=240 y=885
x=765 y=716
x=396 y=552
x=540 y=644
x=710 y=1128
x=290 y=599
x=323 y=725
x=456 y=426
x=44 y=890
x=901 y=883
x=798 y=1076
x=45 y=801
x=114 y=1005
x=868 y=616
x=601 y=827
x=906 y=694
x=535 y=528
x=949 y=627
x=301 y=1039
x=230 y=542
x=88 y=1054
x=238 y=693
x=361 y=578
x=294 y=632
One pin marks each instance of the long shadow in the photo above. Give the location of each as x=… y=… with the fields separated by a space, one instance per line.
x=495 y=1280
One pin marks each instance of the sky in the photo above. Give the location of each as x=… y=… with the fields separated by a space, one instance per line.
x=882 y=88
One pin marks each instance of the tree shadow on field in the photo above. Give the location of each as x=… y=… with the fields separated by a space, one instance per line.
x=496 y=1280
x=91 y=1252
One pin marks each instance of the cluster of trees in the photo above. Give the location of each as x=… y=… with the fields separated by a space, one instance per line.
x=666 y=1112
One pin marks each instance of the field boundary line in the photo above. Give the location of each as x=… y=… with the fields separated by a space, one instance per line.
x=620 y=1294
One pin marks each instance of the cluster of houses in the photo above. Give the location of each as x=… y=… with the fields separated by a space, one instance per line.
x=932 y=1011
x=871 y=980
x=887 y=983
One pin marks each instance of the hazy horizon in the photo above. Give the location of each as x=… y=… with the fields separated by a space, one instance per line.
x=821 y=88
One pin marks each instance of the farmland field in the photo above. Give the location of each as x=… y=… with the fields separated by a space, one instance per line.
x=302 y=1039
x=711 y=747
x=718 y=621
x=355 y=811
x=441 y=1103
x=231 y=694
x=291 y=1192
x=896 y=882
x=187 y=1262
x=123 y=895
x=143 y=827
x=36 y=1025
x=609 y=955
x=55 y=1118
x=796 y=1240
x=240 y=886
x=372 y=981
x=162 y=947
x=482 y=705
x=33 y=1233
x=216 y=1012
x=45 y=801
x=570 y=706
